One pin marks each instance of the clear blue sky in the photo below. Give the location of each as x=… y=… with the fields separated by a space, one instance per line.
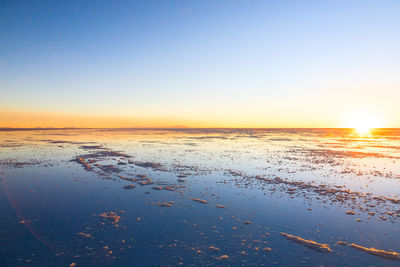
x=230 y=63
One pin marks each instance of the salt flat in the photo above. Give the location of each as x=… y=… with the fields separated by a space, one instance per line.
x=200 y=197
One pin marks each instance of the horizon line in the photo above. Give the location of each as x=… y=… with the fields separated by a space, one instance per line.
x=182 y=128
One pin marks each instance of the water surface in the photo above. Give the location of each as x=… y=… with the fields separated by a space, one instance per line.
x=196 y=197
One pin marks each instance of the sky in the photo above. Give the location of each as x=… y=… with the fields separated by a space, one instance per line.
x=199 y=63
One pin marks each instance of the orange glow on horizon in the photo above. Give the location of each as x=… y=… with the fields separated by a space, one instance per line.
x=42 y=119
x=19 y=119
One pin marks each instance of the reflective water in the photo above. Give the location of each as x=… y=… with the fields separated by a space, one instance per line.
x=149 y=197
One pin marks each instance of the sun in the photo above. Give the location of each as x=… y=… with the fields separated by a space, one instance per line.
x=363 y=130
x=364 y=122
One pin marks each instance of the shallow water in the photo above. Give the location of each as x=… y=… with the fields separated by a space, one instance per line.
x=56 y=184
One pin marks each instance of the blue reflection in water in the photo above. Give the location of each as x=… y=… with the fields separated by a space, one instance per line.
x=50 y=205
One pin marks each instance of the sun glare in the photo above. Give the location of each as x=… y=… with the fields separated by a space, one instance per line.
x=363 y=130
x=363 y=123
